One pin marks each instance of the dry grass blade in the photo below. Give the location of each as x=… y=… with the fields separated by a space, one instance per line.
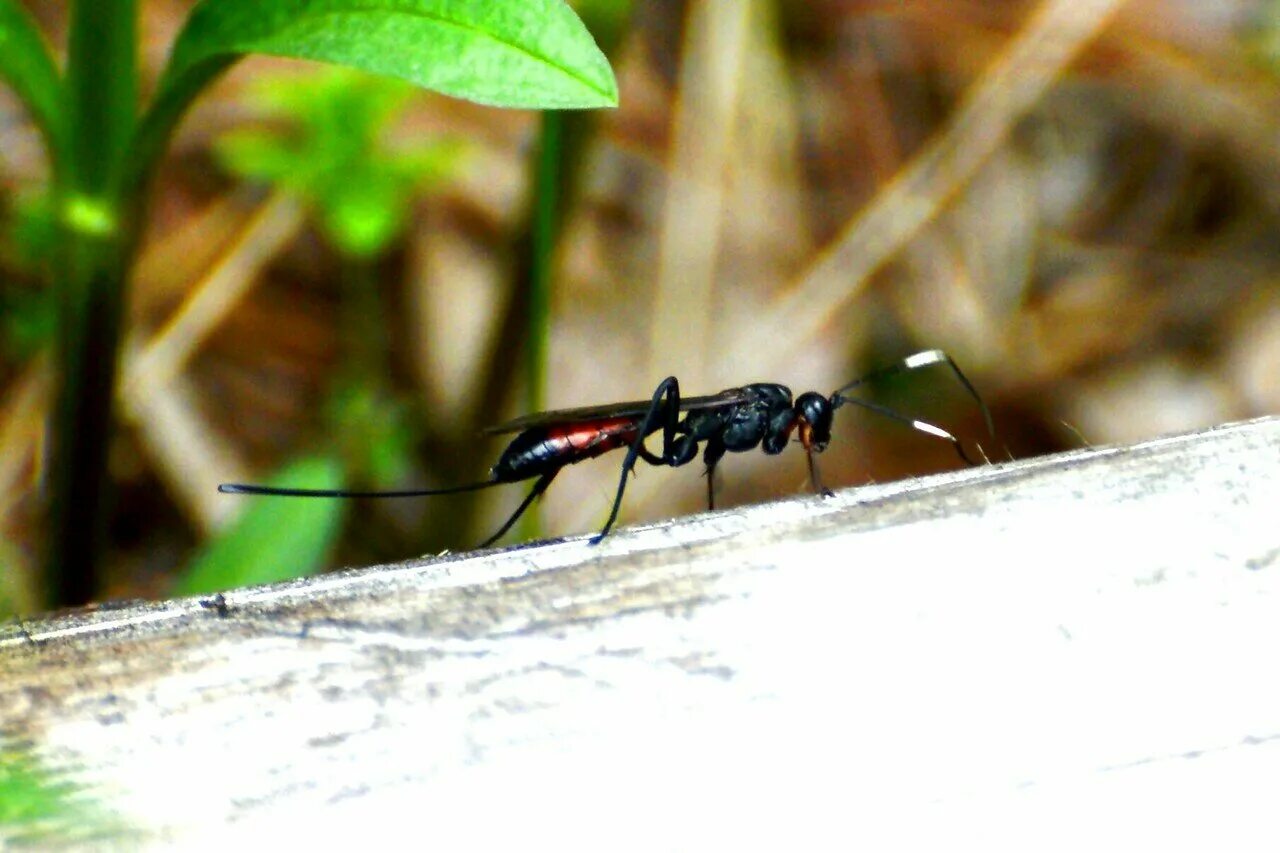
x=190 y=456
x=693 y=213
x=22 y=432
x=187 y=453
x=1049 y=41
x=270 y=230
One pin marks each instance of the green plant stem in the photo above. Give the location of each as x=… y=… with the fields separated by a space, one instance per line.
x=99 y=231
x=563 y=137
x=545 y=233
x=365 y=348
x=102 y=82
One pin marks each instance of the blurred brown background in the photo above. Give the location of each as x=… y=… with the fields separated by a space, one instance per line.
x=1077 y=200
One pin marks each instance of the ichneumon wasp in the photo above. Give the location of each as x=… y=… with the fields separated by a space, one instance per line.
x=762 y=414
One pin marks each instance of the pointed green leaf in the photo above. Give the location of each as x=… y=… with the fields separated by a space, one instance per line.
x=510 y=53
x=513 y=53
x=25 y=64
x=276 y=538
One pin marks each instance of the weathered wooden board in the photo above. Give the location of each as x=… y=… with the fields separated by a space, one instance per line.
x=1068 y=652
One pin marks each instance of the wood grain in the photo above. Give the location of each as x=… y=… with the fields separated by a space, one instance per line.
x=1068 y=651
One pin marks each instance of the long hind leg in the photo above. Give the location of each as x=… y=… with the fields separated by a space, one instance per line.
x=668 y=391
x=538 y=488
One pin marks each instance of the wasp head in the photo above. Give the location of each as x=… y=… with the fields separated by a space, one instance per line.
x=814 y=414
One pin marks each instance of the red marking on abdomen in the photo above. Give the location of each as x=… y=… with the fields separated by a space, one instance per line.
x=593 y=438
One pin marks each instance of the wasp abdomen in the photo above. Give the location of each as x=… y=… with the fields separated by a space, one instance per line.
x=546 y=448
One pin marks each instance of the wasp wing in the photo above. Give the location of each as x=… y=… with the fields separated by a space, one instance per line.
x=631 y=409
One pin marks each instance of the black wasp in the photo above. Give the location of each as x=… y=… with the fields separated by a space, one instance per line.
x=737 y=419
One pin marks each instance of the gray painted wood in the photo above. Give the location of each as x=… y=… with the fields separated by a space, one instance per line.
x=1067 y=651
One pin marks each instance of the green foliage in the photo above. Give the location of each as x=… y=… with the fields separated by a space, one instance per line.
x=375 y=430
x=275 y=539
x=28 y=312
x=513 y=53
x=38 y=808
x=28 y=321
x=327 y=143
x=32 y=231
x=532 y=54
x=27 y=66
x=43 y=809
x=510 y=53
x=28 y=796
x=333 y=153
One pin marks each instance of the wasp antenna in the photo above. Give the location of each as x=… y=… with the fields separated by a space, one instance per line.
x=284 y=492
x=921 y=426
x=926 y=358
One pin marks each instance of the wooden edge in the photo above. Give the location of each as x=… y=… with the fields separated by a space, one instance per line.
x=1077 y=641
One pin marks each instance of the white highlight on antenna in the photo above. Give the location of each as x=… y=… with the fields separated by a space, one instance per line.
x=920 y=359
x=933 y=430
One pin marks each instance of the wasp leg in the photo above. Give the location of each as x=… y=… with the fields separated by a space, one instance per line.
x=538 y=488
x=814 y=477
x=712 y=455
x=650 y=457
x=669 y=391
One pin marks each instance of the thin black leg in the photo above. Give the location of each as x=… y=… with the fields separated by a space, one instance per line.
x=711 y=456
x=814 y=477
x=651 y=458
x=26 y=635
x=668 y=390
x=538 y=488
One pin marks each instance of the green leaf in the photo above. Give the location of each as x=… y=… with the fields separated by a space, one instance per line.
x=510 y=53
x=26 y=65
x=276 y=538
